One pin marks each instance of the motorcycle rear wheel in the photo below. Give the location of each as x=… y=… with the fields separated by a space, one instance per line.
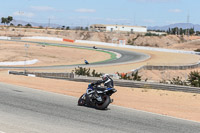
x=105 y=104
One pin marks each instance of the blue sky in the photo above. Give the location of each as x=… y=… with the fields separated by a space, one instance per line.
x=86 y=12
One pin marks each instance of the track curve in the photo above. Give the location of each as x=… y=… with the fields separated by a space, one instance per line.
x=126 y=57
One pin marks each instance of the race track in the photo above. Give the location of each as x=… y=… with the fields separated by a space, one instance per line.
x=126 y=57
x=26 y=110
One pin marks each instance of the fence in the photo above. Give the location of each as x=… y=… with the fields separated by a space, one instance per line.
x=45 y=75
x=168 y=67
x=123 y=83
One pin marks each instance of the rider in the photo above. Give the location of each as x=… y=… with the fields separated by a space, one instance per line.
x=108 y=83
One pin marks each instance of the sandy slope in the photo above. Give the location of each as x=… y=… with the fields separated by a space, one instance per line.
x=48 y=55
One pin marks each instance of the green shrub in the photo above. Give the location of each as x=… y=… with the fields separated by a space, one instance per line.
x=86 y=72
x=194 y=79
x=178 y=81
x=197 y=50
x=151 y=34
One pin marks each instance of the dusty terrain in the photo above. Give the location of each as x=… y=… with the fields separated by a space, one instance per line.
x=166 y=75
x=47 y=55
x=169 y=41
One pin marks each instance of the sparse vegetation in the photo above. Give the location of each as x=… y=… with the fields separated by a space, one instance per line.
x=197 y=50
x=151 y=34
x=133 y=76
x=194 y=79
x=164 y=81
x=178 y=81
x=86 y=72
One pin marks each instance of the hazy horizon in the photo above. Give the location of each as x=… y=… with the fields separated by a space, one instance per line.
x=86 y=12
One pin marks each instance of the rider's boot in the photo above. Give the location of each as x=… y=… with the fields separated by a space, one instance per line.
x=97 y=97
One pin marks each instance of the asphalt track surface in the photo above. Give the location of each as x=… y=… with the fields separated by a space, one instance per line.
x=26 y=110
x=126 y=57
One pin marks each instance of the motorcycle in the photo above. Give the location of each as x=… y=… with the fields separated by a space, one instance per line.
x=89 y=99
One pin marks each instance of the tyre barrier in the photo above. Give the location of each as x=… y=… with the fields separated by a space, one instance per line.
x=118 y=82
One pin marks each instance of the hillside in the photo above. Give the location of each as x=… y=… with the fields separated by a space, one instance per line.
x=169 y=41
x=179 y=25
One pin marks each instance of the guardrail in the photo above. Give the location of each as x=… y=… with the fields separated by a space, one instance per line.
x=122 y=83
x=167 y=67
x=45 y=75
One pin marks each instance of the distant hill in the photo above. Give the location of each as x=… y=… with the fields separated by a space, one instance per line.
x=16 y=22
x=179 y=25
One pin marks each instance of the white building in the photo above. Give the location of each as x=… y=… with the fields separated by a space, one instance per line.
x=121 y=28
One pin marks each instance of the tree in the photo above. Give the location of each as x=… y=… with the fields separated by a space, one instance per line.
x=191 y=31
x=6 y=20
x=63 y=27
x=181 y=31
x=41 y=27
x=3 y=20
x=19 y=25
x=197 y=33
x=67 y=28
x=11 y=24
x=86 y=28
x=28 y=25
x=10 y=18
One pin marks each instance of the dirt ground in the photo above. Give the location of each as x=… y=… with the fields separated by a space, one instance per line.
x=161 y=75
x=176 y=104
x=47 y=55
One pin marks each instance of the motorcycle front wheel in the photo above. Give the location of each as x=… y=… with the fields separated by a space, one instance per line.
x=81 y=101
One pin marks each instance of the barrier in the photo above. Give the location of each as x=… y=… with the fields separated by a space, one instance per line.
x=45 y=75
x=49 y=38
x=136 y=47
x=167 y=67
x=68 y=40
x=122 y=83
x=44 y=38
x=5 y=38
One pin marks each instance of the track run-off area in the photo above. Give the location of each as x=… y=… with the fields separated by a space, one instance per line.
x=117 y=57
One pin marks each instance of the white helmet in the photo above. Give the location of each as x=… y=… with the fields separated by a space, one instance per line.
x=105 y=76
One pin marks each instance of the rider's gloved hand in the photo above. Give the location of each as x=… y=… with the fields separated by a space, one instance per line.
x=92 y=84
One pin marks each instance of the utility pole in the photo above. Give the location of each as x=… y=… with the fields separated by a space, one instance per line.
x=49 y=23
x=188 y=31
